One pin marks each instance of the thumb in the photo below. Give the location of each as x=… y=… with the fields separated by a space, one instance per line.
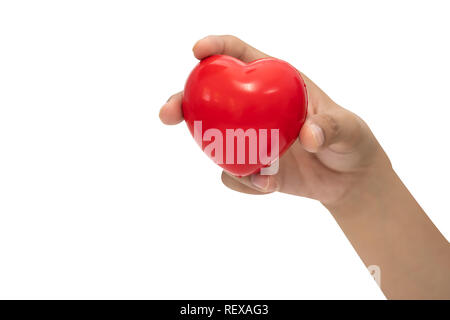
x=338 y=129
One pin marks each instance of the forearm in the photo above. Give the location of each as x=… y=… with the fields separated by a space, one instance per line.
x=389 y=229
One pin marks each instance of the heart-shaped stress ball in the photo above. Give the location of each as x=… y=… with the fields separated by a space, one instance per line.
x=244 y=116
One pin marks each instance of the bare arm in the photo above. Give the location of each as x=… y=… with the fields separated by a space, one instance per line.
x=338 y=161
x=389 y=229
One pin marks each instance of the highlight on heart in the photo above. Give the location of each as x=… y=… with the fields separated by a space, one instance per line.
x=241 y=147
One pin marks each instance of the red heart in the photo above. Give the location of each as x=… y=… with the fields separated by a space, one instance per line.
x=223 y=93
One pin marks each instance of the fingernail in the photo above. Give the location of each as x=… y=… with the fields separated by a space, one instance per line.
x=317 y=133
x=259 y=181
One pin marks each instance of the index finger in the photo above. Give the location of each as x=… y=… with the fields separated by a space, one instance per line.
x=235 y=47
x=227 y=45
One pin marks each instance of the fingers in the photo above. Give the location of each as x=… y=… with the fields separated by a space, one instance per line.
x=236 y=185
x=235 y=47
x=228 y=45
x=336 y=128
x=171 y=112
x=254 y=184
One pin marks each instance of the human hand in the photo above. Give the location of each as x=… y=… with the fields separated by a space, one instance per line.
x=338 y=161
x=334 y=154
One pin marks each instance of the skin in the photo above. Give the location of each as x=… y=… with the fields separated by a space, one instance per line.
x=338 y=161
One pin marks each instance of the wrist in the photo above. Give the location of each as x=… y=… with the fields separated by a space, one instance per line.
x=389 y=230
x=374 y=185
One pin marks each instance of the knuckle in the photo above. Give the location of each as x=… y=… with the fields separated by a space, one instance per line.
x=331 y=125
x=231 y=37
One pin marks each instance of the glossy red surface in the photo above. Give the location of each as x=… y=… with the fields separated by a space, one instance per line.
x=225 y=93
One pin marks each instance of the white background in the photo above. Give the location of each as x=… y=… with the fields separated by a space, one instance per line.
x=99 y=200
